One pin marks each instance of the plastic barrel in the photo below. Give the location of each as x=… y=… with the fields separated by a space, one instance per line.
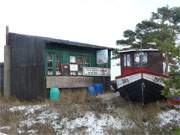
x=54 y=94
x=92 y=91
x=177 y=98
x=99 y=88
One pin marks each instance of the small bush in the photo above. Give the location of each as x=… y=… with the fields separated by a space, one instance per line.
x=43 y=129
x=7 y=102
x=8 y=118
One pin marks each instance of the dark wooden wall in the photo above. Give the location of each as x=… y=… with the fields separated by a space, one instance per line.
x=1 y=78
x=27 y=66
x=155 y=60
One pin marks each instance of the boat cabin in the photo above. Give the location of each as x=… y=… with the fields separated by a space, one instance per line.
x=147 y=60
x=141 y=75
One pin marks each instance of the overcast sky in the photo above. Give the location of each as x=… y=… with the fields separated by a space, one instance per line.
x=99 y=22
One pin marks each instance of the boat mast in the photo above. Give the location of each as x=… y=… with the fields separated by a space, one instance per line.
x=142 y=83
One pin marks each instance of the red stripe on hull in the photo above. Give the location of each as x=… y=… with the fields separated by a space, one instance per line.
x=130 y=71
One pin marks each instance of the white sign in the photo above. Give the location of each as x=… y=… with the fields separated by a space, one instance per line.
x=127 y=80
x=153 y=78
x=72 y=59
x=73 y=67
x=130 y=79
x=102 y=57
x=115 y=68
x=96 y=71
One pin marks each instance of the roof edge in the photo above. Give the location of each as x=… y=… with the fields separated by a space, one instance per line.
x=61 y=41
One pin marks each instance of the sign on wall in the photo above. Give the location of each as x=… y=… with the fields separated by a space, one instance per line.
x=102 y=57
x=96 y=71
x=72 y=59
x=73 y=67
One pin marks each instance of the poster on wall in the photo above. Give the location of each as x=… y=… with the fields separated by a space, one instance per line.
x=72 y=59
x=96 y=71
x=73 y=67
x=102 y=57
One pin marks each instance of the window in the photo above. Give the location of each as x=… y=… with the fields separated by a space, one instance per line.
x=127 y=60
x=80 y=61
x=140 y=58
x=53 y=64
x=57 y=65
x=50 y=64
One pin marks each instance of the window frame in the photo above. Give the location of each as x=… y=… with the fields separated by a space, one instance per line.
x=86 y=62
x=143 y=59
x=54 y=56
x=127 y=60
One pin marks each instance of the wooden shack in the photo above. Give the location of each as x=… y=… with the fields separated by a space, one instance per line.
x=38 y=63
x=1 y=78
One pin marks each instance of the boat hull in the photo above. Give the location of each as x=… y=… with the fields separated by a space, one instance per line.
x=143 y=88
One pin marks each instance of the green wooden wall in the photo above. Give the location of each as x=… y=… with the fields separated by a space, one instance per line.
x=65 y=52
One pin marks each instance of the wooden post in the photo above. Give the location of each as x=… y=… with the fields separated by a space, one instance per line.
x=7 y=32
x=7 y=66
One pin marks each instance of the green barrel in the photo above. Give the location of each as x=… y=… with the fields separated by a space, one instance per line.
x=54 y=94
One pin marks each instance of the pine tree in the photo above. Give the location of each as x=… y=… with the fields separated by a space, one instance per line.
x=161 y=32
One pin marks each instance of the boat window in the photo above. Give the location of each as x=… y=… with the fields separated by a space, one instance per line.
x=127 y=60
x=140 y=58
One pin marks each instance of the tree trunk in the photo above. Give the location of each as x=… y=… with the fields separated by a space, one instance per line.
x=166 y=62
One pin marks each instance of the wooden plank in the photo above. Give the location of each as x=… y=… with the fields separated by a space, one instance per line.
x=68 y=81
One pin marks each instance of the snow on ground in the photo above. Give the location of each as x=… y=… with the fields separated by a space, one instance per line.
x=29 y=109
x=44 y=117
x=96 y=124
x=2 y=133
x=93 y=123
x=169 y=117
x=5 y=127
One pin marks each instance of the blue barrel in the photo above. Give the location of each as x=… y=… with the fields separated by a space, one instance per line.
x=91 y=91
x=99 y=88
x=177 y=98
x=54 y=94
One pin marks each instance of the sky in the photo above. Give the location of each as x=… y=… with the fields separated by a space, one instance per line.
x=99 y=22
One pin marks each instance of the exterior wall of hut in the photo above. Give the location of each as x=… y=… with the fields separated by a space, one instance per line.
x=27 y=66
x=73 y=79
x=1 y=78
x=28 y=56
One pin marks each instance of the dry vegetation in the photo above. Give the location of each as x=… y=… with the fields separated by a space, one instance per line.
x=43 y=129
x=75 y=104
